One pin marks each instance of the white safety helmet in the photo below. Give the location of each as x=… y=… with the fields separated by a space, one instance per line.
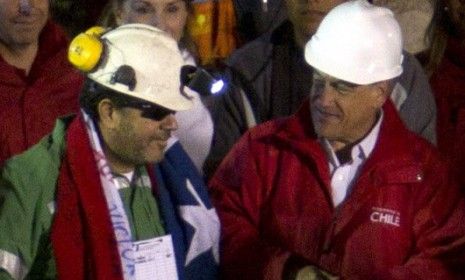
x=357 y=42
x=140 y=61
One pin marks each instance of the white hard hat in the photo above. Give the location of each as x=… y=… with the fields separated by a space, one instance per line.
x=357 y=42
x=156 y=64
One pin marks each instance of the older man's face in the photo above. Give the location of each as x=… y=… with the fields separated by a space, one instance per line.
x=343 y=113
x=306 y=16
x=21 y=22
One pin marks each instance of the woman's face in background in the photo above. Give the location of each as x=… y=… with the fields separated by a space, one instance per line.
x=167 y=15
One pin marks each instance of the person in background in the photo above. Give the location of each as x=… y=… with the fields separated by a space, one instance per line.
x=75 y=16
x=342 y=189
x=256 y=17
x=213 y=28
x=37 y=84
x=195 y=125
x=271 y=79
x=413 y=16
x=99 y=198
x=446 y=67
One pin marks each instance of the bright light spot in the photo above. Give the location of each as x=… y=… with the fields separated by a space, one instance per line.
x=217 y=86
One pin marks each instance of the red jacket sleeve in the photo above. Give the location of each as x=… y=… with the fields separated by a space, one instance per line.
x=439 y=229
x=239 y=192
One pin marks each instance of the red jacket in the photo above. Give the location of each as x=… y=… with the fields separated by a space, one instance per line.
x=402 y=220
x=29 y=104
x=448 y=83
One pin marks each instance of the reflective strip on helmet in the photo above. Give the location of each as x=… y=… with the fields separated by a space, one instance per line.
x=13 y=265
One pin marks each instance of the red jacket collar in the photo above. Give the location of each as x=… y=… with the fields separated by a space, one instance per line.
x=393 y=140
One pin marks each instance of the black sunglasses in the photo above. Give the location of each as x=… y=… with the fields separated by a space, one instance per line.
x=149 y=110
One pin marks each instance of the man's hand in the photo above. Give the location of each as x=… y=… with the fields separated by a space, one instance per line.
x=310 y=272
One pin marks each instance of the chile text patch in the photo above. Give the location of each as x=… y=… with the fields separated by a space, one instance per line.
x=385 y=216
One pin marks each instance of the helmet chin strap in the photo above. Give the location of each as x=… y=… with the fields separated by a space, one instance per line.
x=25 y=7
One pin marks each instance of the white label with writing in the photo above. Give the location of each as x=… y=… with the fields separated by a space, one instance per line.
x=154 y=259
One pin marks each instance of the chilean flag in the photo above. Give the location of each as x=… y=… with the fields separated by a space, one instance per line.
x=188 y=214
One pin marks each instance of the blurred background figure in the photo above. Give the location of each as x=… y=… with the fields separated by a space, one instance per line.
x=195 y=125
x=413 y=16
x=212 y=23
x=37 y=84
x=446 y=65
x=213 y=29
x=256 y=17
x=76 y=16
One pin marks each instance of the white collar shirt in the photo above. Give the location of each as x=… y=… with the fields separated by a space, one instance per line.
x=343 y=175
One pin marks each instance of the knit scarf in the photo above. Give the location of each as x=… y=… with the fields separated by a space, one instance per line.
x=82 y=235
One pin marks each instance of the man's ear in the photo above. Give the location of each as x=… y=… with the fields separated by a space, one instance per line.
x=382 y=92
x=109 y=115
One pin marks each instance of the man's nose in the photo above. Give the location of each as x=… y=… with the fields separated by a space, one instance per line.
x=157 y=20
x=325 y=95
x=169 y=123
x=25 y=7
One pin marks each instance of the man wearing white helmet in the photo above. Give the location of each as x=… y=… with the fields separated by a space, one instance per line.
x=341 y=190
x=272 y=79
x=108 y=195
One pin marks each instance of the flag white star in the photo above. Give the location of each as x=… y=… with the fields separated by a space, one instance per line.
x=206 y=225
